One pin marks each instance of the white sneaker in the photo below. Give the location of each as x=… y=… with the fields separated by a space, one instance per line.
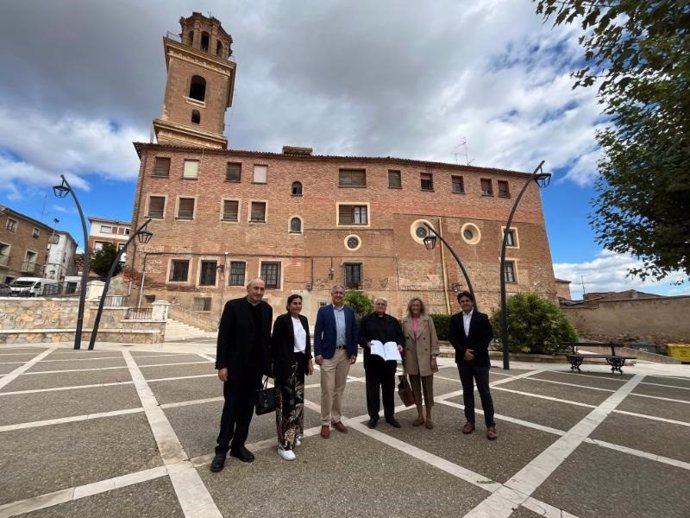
x=298 y=441
x=286 y=454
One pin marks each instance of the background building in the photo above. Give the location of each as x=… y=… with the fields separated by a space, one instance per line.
x=61 y=251
x=102 y=231
x=23 y=245
x=304 y=222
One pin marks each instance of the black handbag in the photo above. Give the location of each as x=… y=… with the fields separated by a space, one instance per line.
x=265 y=399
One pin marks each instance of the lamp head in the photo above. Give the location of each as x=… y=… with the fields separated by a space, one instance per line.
x=144 y=236
x=429 y=242
x=543 y=179
x=61 y=190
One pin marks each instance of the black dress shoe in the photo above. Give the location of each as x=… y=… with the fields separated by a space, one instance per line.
x=373 y=422
x=393 y=422
x=218 y=462
x=242 y=453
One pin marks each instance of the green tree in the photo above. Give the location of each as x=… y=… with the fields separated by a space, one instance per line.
x=638 y=53
x=535 y=325
x=359 y=301
x=103 y=259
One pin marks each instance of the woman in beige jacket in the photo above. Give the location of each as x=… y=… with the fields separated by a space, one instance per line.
x=421 y=350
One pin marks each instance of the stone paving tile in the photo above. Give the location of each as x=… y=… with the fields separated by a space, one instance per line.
x=81 y=354
x=669 y=440
x=523 y=512
x=561 y=416
x=580 y=395
x=668 y=381
x=497 y=460
x=173 y=371
x=656 y=408
x=50 y=458
x=585 y=381
x=186 y=390
x=328 y=476
x=22 y=408
x=180 y=358
x=672 y=393
x=11 y=358
x=596 y=481
x=86 y=364
x=68 y=379
x=153 y=499
x=7 y=368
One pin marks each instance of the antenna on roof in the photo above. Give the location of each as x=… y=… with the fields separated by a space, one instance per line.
x=463 y=144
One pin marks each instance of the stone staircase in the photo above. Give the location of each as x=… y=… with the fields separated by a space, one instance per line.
x=176 y=331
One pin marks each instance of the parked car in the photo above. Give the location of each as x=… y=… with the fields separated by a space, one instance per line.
x=34 y=287
x=5 y=290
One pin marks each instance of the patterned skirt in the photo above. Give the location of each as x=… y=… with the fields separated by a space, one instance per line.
x=290 y=405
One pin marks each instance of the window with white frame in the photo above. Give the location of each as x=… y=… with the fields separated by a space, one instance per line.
x=179 y=270
x=190 y=169
x=352 y=215
x=270 y=273
x=260 y=174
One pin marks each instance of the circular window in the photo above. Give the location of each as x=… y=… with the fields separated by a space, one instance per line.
x=470 y=233
x=418 y=230
x=353 y=242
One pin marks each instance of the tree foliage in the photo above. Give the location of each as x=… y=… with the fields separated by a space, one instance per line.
x=535 y=325
x=359 y=301
x=103 y=259
x=638 y=53
x=442 y=325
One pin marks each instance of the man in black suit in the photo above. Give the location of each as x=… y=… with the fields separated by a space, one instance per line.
x=470 y=335
x=242 y=358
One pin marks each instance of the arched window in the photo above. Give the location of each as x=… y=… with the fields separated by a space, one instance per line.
x=296 y=226
x=296 y=189
x=196 y=117
x=219 y=49
x=197 y=88
x=205 y=38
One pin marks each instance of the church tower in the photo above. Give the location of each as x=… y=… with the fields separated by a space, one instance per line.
x=200 y=85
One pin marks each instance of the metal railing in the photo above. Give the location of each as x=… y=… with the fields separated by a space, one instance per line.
x=139 y=314
x=115 y=301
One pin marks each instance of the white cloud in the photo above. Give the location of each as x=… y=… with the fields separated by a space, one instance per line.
x=609 y=272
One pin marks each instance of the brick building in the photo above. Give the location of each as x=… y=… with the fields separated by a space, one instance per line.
x=23 y=245
x=102 y=231
x=304 y=222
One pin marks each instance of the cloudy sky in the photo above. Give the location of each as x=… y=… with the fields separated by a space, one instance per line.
x=451 y=80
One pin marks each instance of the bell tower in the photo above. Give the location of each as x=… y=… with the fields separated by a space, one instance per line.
x=200 y=85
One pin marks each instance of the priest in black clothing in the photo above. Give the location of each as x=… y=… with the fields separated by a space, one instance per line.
x=380 y=374
x=242 y=358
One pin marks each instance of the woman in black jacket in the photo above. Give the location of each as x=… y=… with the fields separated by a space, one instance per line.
x=292 y=359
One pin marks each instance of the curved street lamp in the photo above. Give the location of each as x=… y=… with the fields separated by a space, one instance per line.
x=542 y=180
x=144 y=236
x=61 y=191
x=430 y=244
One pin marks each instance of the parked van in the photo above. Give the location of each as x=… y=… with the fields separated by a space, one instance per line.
x=34 y=287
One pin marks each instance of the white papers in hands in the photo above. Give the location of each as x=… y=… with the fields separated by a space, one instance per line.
x=388 y=351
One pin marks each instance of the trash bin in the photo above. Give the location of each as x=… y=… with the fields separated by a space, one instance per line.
x=679 y=351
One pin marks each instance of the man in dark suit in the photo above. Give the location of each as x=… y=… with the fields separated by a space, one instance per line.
x=242 y=358
x=335 y=349
x=470 y=334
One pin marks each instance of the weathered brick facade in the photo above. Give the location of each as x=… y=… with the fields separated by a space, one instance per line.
x=346 y=211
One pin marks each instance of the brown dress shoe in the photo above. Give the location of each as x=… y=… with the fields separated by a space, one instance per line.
x=468 y=428
x=325 y=431
x=418 y=422
x=491 y=433
x=340 y=427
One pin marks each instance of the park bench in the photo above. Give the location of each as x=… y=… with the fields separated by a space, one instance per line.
x=615 y=361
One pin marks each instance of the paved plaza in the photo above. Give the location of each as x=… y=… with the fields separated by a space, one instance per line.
x=130 y=430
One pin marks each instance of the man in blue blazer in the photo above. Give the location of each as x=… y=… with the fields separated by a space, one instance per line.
x=335 y=349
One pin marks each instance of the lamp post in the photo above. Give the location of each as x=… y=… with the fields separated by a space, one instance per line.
x=542 y=180
x=144 y=236
x=61 y=191
x=430 y=243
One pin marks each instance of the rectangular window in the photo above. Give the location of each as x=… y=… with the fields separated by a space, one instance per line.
x=29 y=265
x=509 y=271
x=106 y=229
x=352 y=215
x=161 y=166
x=258 y=214
x=352 y=178
x=35 y=232
x=394 y=179
x=510 y=239
x=458 y=185
x=191 y=169
x=207 y=273
x=179 y=270
x=237 y=272
x=186 y=208
x=427 y=181
x=487 y=189
x=156 y=206
x=201 y=304
x=11 y=225
x=270 y=273
x=260 y=174
x=4 y=254
x=503 y=189
x=231 y=210
x=233 y=172
x=98 y=245
x=353 y=276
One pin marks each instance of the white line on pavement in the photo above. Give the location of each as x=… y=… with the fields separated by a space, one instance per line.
x=58 y=389
x=72 y=419
x=21 y=370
